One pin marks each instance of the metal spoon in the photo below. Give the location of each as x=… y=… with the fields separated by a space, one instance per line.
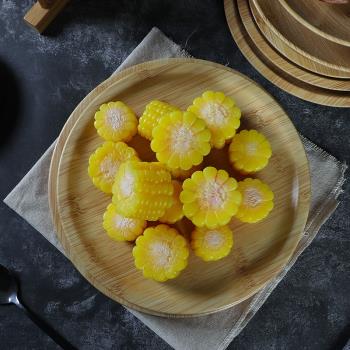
x=9 y=295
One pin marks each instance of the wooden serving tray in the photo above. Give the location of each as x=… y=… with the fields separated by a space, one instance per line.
x=327 y=20
x=280 y=62
x=272 y=71
x=260 y=250
x=298 y=43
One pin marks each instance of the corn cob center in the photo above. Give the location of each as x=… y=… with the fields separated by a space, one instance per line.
x=214 y=239
x=161 y=254
x=115 y=118
x=251 y=148
x=109 y=167
x=123 y=223
x=181 y=139
x=213 y=196
x=214 y=113
x=252 y=197
x=126 y=184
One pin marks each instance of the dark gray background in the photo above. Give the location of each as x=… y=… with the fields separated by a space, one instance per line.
x=44 y=77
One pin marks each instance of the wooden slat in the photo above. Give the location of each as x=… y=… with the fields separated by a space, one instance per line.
x=39 y=18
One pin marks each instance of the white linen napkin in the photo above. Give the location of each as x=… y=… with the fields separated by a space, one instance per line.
x=30 y=200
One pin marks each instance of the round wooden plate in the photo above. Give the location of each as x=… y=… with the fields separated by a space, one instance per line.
x=327 y=20
x=270 y=71
x=299 y=44
x=260 y=251
x=282 y=63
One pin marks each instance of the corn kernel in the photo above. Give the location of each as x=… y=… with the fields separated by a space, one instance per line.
x=161 y=253
x=119 y=227
x=212 y=244
x=257 y=200
x=174 y=213
x=105 y=162
x=249 y=151
x=115 y=121
x=154 y=111
x=210 y=198
x=184 y=174
x=220 y=113
x=142 y=190
x=180 y=140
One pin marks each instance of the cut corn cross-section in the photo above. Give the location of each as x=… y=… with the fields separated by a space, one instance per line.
x=105 y=162
x=181 y=140
x=161 y=253
x=210 y=197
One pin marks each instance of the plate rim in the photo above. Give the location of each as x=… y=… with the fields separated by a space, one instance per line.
x=56 y=161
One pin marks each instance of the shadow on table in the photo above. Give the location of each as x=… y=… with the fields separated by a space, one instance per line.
x=343 y=338
x=9 y=102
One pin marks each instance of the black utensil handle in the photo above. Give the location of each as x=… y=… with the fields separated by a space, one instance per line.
x=56 y=337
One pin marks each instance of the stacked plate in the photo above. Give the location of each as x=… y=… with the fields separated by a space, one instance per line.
x=303 y=47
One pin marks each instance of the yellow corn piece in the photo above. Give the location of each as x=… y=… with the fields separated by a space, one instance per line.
x=180 y=140
x=161 y=253
x=154 y=111
x=210 y=198
x=184 y=174
x=119 y=227
x=249 y=151
x=220 y=113
x=212 y=244
x=174 y=213
x=105 y=161
x=142 y=190
x=115 y=121
x=257 y=200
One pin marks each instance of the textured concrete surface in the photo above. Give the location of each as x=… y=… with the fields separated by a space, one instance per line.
x=42 y=80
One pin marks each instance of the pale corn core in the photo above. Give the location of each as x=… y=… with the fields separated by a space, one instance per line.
x=123 y=223
x=252 y=197
x=109 y=167
x=115 y=118
x=181 y=139
x=126 y=184
x=213 y=239
x=160 y=253
x=213 y=195
x=214 y=113
x=251 y=148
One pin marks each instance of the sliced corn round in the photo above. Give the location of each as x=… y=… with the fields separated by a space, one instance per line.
x=180 y=140
x=212 y=244
x=249 y=151
x=115 y=121
x=210 y=197
x=105 y=162
x=220 y=114
x=142 y=190
x=119 y=227
x=257 y=200
x=174 y=213
x=161 y=253
x=154 y=111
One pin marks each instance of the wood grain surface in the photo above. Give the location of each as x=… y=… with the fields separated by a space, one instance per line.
x=260 y=251
x=270 y=70
x=327 y=20
x=280 y=62
x=298 y=43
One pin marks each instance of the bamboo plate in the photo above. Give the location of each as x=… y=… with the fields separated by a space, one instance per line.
x=273 y=73
x=297 y=43
x=202 y=288
x=329 y=21
x=280 y=62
